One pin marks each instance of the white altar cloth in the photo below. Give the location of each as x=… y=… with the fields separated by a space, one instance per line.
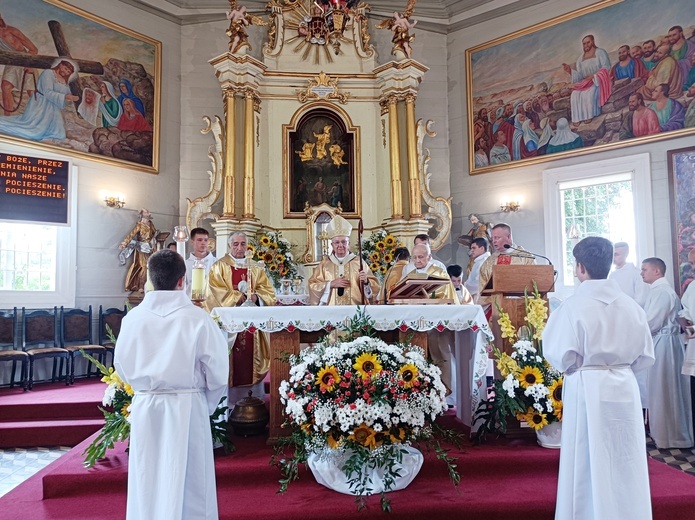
x=470 y=356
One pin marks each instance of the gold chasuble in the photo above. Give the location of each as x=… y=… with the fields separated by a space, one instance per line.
x=393 y=276
x=249 y=359
x=330 y=268
x=445 y=291
x=518 y=257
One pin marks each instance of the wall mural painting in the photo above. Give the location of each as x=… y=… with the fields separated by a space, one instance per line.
x=321 y=164
x=681 y=172
x=78 y=84
x=613 y=74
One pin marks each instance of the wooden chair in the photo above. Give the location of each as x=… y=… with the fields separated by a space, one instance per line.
x=76 y=335
x=9 y=350
x=41 y=327
x=111 y=317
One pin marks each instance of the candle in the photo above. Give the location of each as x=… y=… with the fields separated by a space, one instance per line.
x=197 y=283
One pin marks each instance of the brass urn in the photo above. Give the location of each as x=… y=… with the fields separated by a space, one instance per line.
x=250 y=416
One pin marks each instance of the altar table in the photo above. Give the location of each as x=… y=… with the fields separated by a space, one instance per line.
x=288 y=326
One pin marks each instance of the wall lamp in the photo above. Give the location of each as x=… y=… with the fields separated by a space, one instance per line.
x=114 y=201
x=510 y=206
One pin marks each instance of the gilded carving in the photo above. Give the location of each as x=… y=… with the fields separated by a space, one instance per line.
x=200 y=208
x=322 y=87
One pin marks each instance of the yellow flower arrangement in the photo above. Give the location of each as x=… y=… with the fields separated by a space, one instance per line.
x=276 y=253
x=378 y=251
x=530 y=389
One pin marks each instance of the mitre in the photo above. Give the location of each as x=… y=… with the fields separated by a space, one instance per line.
x=338 y=227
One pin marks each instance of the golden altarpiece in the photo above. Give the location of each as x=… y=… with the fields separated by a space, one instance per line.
x=318 y=128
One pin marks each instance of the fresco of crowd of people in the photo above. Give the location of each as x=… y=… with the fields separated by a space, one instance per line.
x=649 y=90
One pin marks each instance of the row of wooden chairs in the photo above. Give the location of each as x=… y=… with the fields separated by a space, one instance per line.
x=60 y=335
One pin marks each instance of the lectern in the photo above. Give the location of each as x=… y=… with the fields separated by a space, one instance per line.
x=506 y=287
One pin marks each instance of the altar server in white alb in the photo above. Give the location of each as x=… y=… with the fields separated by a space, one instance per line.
x=175 y=358
x=627 y=275
x=599 y=337
x=668 y=391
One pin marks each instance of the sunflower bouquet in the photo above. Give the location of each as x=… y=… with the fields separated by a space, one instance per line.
x=530 y=389
x=276 y=253
x=378 y=252
x=361 y=401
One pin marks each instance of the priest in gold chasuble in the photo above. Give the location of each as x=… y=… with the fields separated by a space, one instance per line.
x=503 y=255
x=230 y=283
x=337 y=278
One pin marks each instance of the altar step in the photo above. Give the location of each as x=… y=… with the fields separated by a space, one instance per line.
x=50 y=415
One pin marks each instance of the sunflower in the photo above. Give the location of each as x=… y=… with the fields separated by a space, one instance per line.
x=388 y=258
x=265 y=240
x=279 y=258
x=390 y=240
x=251 y=248
x=273 y=246
x=332 y=442
x=535 y=419
x=367 y=365
x=397 y=434
x=558 y=412
x=272 y=267
x=556 y=393
x=380 y=244
x=374 y=257
x=408 y=374
x=383 y=269
x=364 y=435
x=328 y=378
x=530 y=376
x=268 y=257
x=374 y=267
x=124 y=410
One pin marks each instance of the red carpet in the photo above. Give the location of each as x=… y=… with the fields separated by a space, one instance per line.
x=52 y=414
x=500 y=480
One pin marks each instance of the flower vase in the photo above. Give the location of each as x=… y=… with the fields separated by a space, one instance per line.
x=327 y=464
x=550 y=436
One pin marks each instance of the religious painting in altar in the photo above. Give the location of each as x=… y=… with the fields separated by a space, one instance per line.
x=79 y=84
x=614 y=74
x=681 y=173
x=320 y=163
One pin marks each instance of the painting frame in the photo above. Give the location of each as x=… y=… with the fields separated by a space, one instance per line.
x=133 y=147
x=681 y=182
x=304 y=171
x=477 y=97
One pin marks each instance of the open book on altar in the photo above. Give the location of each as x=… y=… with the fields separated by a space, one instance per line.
x=418 y=289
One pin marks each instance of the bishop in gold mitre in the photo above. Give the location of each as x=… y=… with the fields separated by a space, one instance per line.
x=337 y=278
x=503 y=255
x=231 y=281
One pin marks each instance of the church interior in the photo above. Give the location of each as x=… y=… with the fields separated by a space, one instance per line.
x=272 y=117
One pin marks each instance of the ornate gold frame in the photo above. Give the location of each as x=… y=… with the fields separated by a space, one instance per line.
x=571 y=153
x=157 y=98
x=286 y=158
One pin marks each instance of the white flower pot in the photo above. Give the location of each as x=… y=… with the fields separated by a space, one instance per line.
x=326 y=467
x=550 y=436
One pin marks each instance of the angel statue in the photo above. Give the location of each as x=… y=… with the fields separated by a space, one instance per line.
x=239 y=20
x=400 y=24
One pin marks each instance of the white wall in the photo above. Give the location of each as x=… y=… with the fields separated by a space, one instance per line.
x=482 y=193
x=100 y=278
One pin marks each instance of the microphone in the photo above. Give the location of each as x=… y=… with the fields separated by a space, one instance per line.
x=509 y=246
x=341 y=290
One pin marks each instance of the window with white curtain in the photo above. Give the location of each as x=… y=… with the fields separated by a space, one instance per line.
x=610 y=198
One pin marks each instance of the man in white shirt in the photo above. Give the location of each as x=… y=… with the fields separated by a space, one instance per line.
x=627 y=275
x=479 y=253
x=668 y=391
x=199 y=244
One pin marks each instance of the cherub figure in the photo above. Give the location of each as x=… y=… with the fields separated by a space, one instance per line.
x=239 y=20
x=307 y=151
x=337 y=154
x=400 y=24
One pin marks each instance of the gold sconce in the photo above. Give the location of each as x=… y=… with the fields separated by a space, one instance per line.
x=114 y=201
x=511 y=206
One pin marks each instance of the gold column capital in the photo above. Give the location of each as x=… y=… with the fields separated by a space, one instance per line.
x=410 y=98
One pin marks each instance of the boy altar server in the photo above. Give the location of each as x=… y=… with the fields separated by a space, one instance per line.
x=599 y=337
x=175 y=358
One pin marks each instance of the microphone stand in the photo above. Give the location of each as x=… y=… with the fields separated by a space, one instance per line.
x=527 y=253
x=360 y=230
